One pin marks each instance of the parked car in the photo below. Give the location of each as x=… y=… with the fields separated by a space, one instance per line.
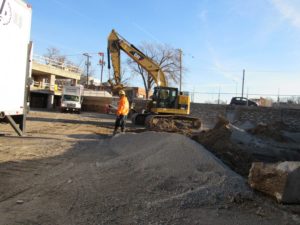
x=242 y=101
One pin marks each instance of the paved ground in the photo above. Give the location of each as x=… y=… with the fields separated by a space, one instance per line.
x=58 y=174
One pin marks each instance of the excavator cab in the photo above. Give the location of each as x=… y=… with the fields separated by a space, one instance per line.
x=165 y=97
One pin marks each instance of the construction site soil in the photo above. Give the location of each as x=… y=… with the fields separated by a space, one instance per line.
x=69 y=169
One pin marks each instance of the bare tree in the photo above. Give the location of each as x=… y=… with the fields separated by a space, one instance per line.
x=52 y=53
x=165 y=56
x=54 y=56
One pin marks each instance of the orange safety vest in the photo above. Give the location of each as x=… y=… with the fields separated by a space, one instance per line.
x=123 y=107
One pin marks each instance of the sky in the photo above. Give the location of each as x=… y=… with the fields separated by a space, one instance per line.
x=219 y=38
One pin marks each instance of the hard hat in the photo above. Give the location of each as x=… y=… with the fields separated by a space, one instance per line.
x=121 y=92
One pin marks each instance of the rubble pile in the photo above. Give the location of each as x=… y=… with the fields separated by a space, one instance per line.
x=218 y=141
x=280 y=180
x=272 y=131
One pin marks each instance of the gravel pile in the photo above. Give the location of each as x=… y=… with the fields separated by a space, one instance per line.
x=179 y=167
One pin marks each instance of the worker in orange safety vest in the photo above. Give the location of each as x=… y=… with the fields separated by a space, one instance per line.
x=122 y=112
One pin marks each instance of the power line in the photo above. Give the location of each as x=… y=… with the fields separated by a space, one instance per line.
x=231 y=93
x=80 y=54
x=235 y=70
x=248 y=71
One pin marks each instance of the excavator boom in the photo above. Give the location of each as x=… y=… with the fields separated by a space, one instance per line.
x=117 y=43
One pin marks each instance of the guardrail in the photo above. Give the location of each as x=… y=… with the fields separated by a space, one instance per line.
x=54 y=63
x=40 y=85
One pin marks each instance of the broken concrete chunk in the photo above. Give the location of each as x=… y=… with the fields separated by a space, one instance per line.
x=280 y=180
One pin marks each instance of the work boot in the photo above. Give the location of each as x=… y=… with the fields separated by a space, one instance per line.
x=115 y=132
x=123 y=130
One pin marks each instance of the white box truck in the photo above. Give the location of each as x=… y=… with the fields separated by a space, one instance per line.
x=15 y=62
x=72 y=97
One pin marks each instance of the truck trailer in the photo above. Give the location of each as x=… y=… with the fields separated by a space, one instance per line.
x=15 y=61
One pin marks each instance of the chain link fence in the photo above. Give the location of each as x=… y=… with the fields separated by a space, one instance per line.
x=267 y=100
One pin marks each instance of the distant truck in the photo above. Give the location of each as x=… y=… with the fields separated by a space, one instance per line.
x=15 y=61
x=72 y=97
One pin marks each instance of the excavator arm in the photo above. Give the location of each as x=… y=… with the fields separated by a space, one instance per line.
x=116 y=43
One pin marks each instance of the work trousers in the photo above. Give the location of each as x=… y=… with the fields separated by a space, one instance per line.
x=120 y=122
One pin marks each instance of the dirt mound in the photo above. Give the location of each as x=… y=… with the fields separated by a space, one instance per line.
x=273 y=131
x=221 y=122
x=173 y=124
x=219 y=143
x=177 y=165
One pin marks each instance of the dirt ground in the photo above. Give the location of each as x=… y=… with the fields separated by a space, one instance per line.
x=61 y=172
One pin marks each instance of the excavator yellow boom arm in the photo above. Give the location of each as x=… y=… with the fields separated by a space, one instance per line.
x=117 y=43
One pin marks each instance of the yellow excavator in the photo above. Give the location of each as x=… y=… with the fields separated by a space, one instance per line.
x=168 y=110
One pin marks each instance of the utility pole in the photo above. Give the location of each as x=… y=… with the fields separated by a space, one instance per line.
x=101 y=63
x=247 y=96
x=180 y=69
x=87 y=63
x=243 y=83
x=193 y=95
x=219 y=95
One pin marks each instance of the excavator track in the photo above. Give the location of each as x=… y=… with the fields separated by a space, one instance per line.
x=172 y=123
x=139 y=118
